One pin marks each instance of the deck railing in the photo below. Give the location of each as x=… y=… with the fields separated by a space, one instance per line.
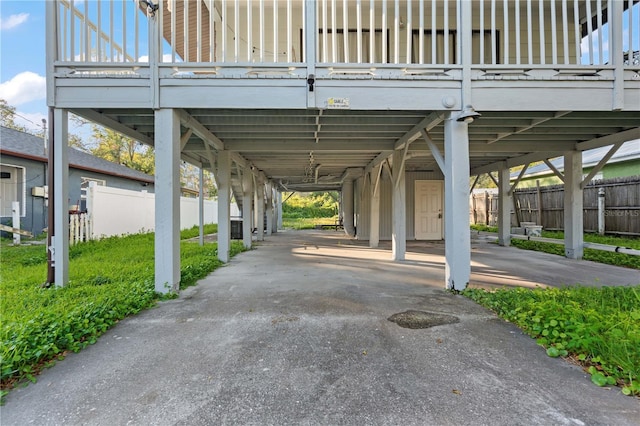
x=402 y=32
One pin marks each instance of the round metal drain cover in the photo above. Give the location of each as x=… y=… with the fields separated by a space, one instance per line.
x=421 y=319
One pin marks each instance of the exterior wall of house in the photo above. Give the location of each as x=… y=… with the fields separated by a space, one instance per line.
x=34 y=212
x=363 y=204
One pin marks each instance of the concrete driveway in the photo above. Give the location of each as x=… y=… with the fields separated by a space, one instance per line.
x=296 y=332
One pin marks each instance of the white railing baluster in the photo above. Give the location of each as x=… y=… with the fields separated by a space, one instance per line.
x=421 y=33
x=590 y=32
x=409 y=32
x=576 y=31
x=275 y=31
x=396 y=32
x=198 y=31
x=325 y=31
x=85 y=33
x=505 y=18
x=304 y=31
x=250 y=31
x=334 y=33
x=359 y=31
x=124 y=31
x=565 y=32
x=384 y=31
x=631 y=32
x=600 y=31
x=554 y=34
x=185 y=31
x=345 y=30
x=530 y=32
x=99 y=37
x=224 y=28
x=161 y=32
x=261 y=31
x=212 y=32
x=446 y=31
x=289 y=23
x=72 y=19
x=236 y=24
x=173 y=30
x=372 y=32
x=65 y=46
x=517 y=17
x=541 y=31
x=494 y=41
x=111 y=44
x=434 y=32
x=481 y=35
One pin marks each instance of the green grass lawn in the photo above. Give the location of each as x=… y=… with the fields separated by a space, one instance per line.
x=601 y=256
x=109 y=279
x=306 y=223
x=596 y=327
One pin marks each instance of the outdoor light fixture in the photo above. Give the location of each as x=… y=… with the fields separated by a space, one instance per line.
x=468 y=114
x=151 y=8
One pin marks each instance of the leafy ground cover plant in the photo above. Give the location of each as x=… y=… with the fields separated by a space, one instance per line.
x=306 y=223
x=598 y=328
x=108 y=280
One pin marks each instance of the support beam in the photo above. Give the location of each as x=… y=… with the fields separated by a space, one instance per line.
x=199 y=130
x=167 y=201
x=347 y=207
x=399 y=208
x=201 y=206
x=224 y=203
x=434 y=150
x=504 y=208
x=109 y=122
x=600 y=164
x=269 y=208
x=519 y=178
x=374 y=193
x=247 y=201
x=624 y=136
x=456 y=205
x=573 y=203
x=554 y=169
x=61 y=196
x=260 y=208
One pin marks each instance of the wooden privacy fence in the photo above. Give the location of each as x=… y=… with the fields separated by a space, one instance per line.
x=545 y=206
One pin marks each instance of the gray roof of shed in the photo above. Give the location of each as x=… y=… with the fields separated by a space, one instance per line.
x=628 y=151
x=17 y=143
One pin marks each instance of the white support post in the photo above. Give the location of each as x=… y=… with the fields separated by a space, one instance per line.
x=247 y=200
x=504 y=208
x=601 y=211
x=167 y=201
x=573 y=203
x=398 y=203
x=279 y=210
x=260 y=209
x=15 y=220
x=347 y=207
x=456 y=205
x=269 y=208
x=310 y=33
x=374 y=220
x=201 y=206
x=224 y=203
x=61 y=197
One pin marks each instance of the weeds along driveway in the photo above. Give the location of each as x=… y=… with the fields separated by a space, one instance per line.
x=296 y=332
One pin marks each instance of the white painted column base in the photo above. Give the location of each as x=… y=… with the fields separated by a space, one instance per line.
x=260 y=202
x=456 y=205
x=224 y=203
x=60 y=223
x=504 y=208
x=573 y=206
x=347 y=207
x=374 y=220
x=399 y=208
x=247 y=201
x=167 y=201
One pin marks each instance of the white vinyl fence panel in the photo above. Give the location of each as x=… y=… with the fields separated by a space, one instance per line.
x=116 y=211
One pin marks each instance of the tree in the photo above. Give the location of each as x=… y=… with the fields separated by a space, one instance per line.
x=8 y=115
x=115 y=147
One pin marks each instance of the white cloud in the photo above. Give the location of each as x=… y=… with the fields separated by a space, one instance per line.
x=13 y=21
x=24 y=87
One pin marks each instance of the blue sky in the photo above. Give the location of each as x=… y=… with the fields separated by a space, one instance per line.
x=22 y=65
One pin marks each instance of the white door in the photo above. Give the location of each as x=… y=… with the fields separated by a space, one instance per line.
x=428 y=221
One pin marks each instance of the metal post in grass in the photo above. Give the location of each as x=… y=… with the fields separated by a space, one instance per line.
x=601 y=196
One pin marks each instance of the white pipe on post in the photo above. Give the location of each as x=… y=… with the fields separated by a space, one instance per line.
x=601 y=211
